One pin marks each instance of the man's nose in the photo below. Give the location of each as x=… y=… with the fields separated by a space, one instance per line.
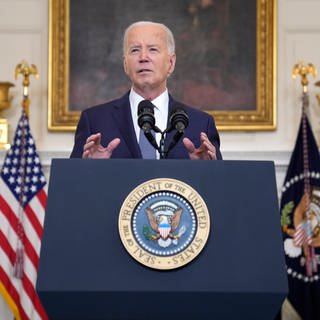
x=144 y=56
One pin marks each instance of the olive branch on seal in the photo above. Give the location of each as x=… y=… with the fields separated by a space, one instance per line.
x=285 y=213
x=146 y=232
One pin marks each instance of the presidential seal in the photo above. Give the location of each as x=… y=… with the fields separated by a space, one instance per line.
x=164 y=223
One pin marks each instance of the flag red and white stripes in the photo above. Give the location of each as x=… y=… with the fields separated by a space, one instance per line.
x=22 y=205
x=302 y=234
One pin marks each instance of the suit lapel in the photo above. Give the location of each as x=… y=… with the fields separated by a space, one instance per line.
x=123 y=119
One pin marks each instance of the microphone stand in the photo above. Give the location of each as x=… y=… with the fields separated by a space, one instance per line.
x=161 y=148
x=162 y=152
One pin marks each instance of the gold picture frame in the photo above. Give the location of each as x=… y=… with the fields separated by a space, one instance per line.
x=262 y=117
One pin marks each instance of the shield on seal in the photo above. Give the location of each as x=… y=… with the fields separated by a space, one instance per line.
x=164 y=230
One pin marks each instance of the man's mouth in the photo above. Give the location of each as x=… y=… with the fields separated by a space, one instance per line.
x=144 y=70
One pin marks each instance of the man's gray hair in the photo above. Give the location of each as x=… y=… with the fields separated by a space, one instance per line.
x=170 y=38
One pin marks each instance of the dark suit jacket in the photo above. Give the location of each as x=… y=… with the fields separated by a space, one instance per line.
x=113 y=120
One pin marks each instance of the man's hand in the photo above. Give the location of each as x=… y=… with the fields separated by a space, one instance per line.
x=93 y=148
x=206 y=151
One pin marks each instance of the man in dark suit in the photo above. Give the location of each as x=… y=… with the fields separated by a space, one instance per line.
x=111 y=131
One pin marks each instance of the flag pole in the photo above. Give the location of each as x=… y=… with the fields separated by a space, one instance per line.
x=303 y=70
x=25 y=70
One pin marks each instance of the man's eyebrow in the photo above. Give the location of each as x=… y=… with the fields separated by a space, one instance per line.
x=140 y=45
x=135 y=46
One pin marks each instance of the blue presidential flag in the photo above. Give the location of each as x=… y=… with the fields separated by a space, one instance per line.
x=300 y=220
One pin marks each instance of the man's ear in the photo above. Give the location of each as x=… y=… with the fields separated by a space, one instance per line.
x=172 y=63
x=125 y=65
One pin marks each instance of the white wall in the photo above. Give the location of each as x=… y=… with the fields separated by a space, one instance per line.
x=24 y=35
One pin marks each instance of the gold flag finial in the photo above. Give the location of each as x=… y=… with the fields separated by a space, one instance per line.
x=304 y=70
x=25 y=70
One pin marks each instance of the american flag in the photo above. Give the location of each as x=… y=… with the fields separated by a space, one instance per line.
x=22 y=206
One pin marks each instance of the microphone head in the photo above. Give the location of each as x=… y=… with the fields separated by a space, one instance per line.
x=146 y=119
x=179 y=119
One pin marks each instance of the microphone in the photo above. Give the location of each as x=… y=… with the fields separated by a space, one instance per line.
x=179 y=120
x=146 y=121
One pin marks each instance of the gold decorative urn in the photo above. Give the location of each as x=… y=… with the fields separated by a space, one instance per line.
x=4 y=104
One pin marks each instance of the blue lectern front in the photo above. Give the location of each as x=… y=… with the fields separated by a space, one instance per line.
x=86 y=273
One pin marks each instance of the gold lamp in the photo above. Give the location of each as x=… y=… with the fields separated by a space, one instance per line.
x=4 y=104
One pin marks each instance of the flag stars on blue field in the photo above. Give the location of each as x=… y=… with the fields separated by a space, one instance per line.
x=22 y=169
x=5 y=170
x=36 y=169
x=17 y=189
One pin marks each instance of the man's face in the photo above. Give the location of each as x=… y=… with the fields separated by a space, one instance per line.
x=147 y=61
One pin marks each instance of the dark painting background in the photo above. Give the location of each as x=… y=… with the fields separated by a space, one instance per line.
x=215 y=46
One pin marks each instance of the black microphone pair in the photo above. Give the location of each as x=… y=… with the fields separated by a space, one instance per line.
x=178 y=120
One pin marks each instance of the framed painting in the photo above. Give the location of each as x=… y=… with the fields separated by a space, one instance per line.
x=226 y=57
